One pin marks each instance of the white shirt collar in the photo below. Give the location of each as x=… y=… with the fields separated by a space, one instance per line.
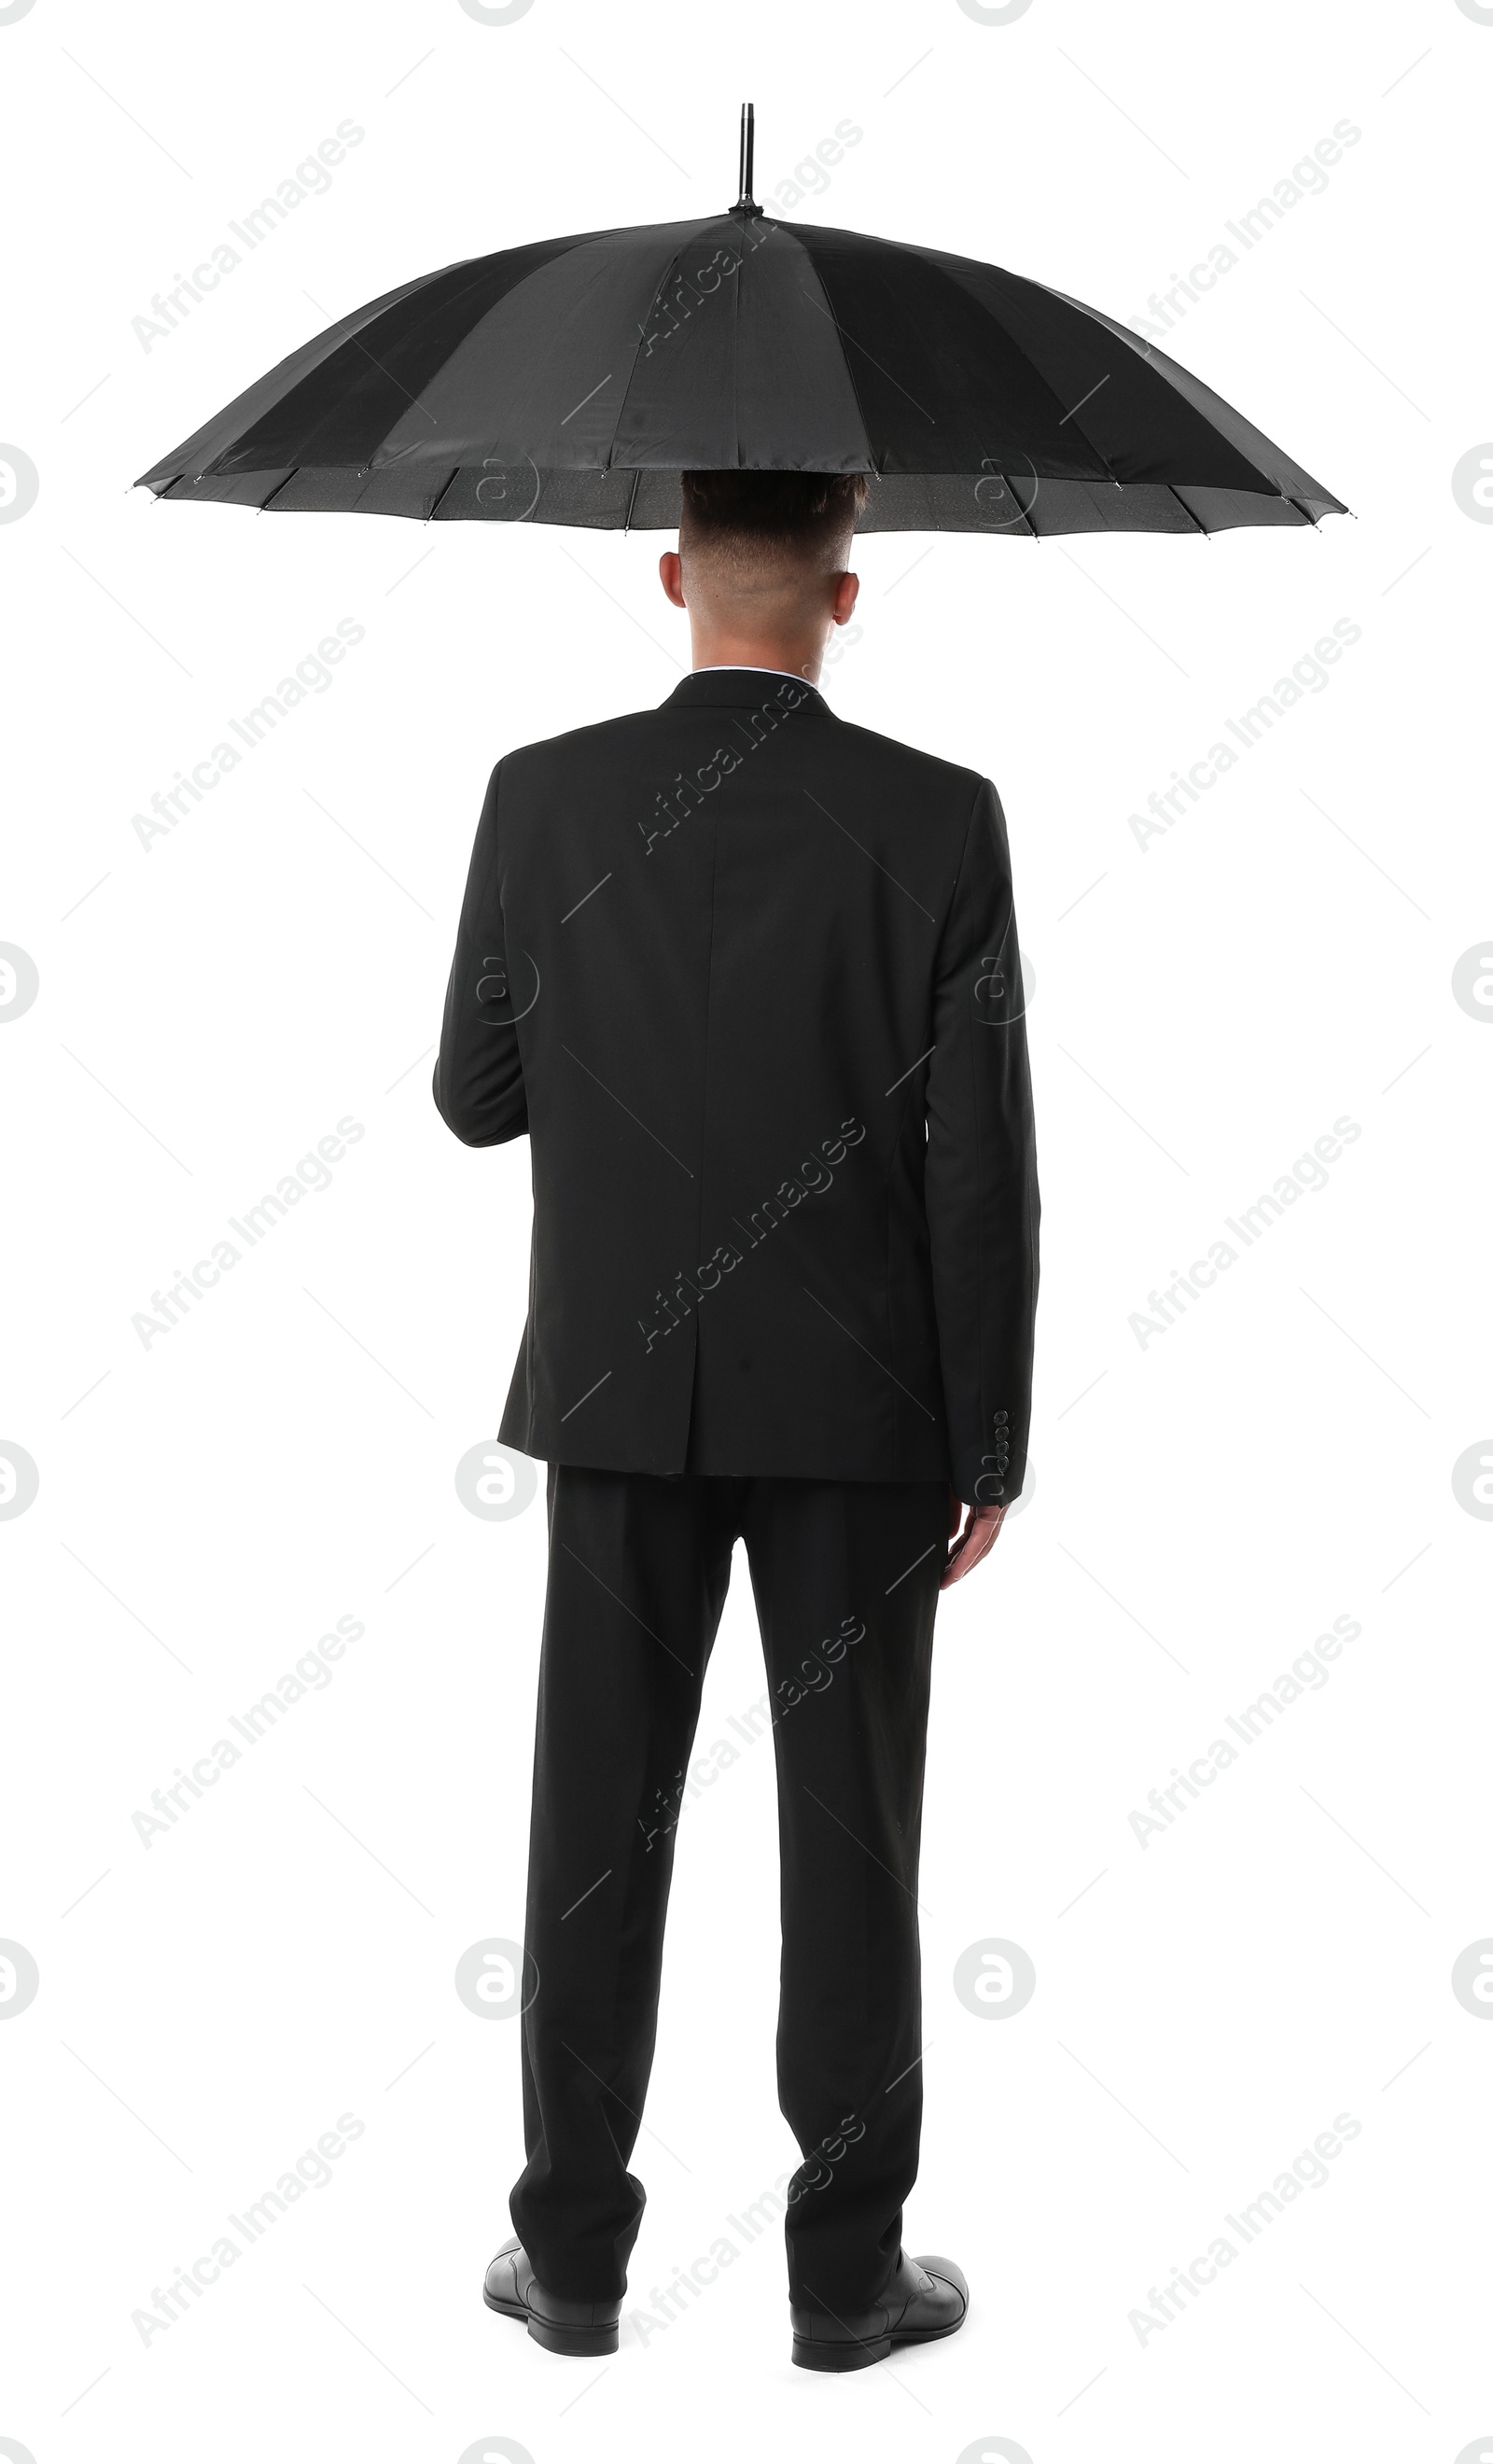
x=744 y=667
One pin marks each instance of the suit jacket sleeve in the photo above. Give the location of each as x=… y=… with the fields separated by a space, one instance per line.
x=478 y=1084
x=980 y=1175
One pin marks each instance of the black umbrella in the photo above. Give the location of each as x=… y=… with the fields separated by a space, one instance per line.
x=572 y=380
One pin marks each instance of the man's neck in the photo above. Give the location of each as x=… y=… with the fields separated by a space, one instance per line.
x=792 y=658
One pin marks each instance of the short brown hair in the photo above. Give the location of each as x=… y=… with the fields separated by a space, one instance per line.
x=808 y=513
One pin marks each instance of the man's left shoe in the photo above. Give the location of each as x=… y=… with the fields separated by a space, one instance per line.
x=561 y=2326
x=927 y=2298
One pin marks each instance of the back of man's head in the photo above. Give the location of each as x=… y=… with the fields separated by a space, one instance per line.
x=761 y=541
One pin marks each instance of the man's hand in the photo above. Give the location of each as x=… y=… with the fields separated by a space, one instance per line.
x=974 y=1542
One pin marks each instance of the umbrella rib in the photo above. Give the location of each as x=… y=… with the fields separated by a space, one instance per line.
x=878 y=455
x=1005 y=478
x=449 y=484
x=413 y=400
x=278 y=487
x=642 y=324
x=1024 y=353
x=846 y=337
x=1188 y=511
x=737 y=288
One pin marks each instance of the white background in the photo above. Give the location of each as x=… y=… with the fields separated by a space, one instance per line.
x=1204 y=1506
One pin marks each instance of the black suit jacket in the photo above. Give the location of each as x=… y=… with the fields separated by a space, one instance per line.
x=748 y=977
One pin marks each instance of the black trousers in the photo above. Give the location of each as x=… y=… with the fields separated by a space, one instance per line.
x=846 y=1577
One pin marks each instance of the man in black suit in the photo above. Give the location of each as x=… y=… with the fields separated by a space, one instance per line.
x=748 y=978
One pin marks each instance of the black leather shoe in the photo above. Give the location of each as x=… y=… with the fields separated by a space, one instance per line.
x=561 y=2326
x=927 y=2298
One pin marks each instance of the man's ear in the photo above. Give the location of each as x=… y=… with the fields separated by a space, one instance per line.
x=670 y=574
x=848 y=590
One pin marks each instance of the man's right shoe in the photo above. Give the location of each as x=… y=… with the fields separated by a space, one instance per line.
x=512 y=2287
x=927 y=2298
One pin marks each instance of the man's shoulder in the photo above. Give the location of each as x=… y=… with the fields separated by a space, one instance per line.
x=575 y=744
x=890 y=756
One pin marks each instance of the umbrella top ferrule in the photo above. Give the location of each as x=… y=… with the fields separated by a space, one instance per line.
x=746 y=203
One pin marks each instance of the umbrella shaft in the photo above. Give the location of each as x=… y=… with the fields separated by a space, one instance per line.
x=748 y=136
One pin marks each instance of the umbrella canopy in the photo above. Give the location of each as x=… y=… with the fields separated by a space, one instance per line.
x=572 y=380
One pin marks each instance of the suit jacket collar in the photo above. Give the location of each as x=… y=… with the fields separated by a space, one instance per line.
x=738 y=687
